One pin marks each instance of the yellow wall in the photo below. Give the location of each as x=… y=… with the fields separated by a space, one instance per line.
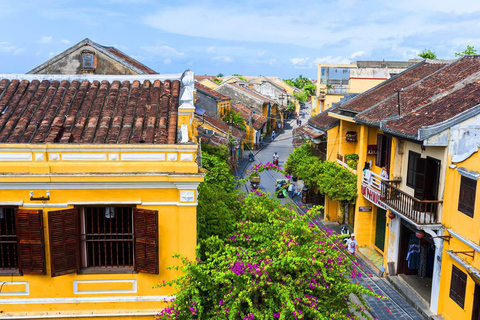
x=161 y=173
x=209 y=83
x=359 y=85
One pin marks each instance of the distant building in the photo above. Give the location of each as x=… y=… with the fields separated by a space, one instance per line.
x=336 y=80
x=88 y=57
x=215 y=103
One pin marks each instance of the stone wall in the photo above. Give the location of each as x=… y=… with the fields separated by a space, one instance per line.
x=241 y=98
x=208 y=103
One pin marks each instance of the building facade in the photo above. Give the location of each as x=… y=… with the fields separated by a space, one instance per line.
x=98 y=191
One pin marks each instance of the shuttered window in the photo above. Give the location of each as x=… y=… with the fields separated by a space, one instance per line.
x=466 y=198
x=8 y=240
x=458 y=286
x=107 y=237
x=63 y=228
x=412 y=168
x=88 y=61
x=31 y=248
x=384 y=144
x=146 y=235
x=21 y=241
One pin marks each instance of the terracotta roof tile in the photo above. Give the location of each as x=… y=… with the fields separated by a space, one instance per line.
x=424 y=91
x=388 y=88
x=130 y=60
x=323 y=121
x=223 y=126
x=258 y=120
x=251 y=92
x=216 y=95
x=70 y=111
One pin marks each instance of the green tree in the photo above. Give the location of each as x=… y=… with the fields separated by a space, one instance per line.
x=470 y=50
x=275 y=264
x=427 y=54
x=220 y=75
x=309 y=89
x=235 y=118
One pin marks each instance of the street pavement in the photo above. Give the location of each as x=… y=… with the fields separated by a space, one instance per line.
x=395 y=306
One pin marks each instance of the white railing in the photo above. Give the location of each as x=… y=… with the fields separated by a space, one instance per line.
x=372 y=180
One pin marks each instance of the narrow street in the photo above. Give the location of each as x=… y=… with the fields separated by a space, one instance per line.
x=395 y=306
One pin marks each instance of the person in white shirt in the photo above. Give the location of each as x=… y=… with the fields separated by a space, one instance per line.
x=291 y=190
x=352 y=244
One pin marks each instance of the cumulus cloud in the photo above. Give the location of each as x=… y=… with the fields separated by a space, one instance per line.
x=65 y=41
x=45 y=40
x=8 y=48
x=331 y=59
x=299 y=61
x=357 y=54
x=211 y=49
x=222 y=59
x=163 y=51
x=167 y=61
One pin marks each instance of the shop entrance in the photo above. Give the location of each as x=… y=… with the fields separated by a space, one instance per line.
x=416 y=259
x=380 y=229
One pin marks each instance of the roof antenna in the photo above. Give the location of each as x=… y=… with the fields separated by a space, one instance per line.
x=398 y=97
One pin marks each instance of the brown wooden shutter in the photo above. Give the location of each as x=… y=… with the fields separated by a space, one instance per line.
x=30 y=241
x=421 y=168
x=378 y=159
x=63 y=228
x=146 y=237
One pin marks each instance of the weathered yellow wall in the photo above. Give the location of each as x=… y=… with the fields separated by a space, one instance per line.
x=209 y=83
x=167 y=170
x=360 y=85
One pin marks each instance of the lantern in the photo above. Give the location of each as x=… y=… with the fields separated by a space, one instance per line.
x=420 y=234
x=391 y=216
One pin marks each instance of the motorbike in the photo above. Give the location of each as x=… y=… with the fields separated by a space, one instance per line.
x=275 y=162
x=254 y=182
x=251 y=157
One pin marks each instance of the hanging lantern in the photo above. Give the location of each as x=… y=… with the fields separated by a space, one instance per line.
x=420 y=234
x=391 y=216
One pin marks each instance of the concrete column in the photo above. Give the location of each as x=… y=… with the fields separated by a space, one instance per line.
x=394 y=241
x=437 y=264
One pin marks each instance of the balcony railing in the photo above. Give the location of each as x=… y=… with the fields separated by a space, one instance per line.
x=342 y=90
x=418 y=211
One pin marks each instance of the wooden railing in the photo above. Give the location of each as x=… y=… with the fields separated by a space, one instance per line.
x=419 y=211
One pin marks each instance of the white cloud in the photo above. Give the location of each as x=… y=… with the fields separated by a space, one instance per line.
x=211 y=49
x=163 y=51
x=51 y=54
x=223 y=59
x=167 y=61
x=357 y=54
x=330 y=59
x=45 y=40
x=299 y=61
x=65 y=41
x=8 y=48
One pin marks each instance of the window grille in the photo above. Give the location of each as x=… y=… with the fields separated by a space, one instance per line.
x=88 y=61
x=8 y=239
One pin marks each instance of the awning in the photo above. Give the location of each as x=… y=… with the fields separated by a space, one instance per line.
x=200 y=111
x=309 y=131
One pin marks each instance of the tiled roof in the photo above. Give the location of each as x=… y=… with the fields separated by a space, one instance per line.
x=428 y=89
x=223 y=126
x=201 y=78
x=214 y=94
x=130 y=60
x=258 y=120
x=251 y=93
x=88 y=111
x=323 y=121
x=388 y=88
x=436 y=112
x=308 y=131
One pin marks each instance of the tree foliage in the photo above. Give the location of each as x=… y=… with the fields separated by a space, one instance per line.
x=427 y=54
x=235 y=118
x=300 y=82
x=337 y=182
x=274 y=265
x=470 y=50
x=220 y=75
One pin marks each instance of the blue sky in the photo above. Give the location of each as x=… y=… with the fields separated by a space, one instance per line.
x=249 y=37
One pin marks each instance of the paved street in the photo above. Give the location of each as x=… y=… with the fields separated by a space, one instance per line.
x=395 y=307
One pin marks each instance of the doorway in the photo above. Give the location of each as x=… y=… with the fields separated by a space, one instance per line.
x=380 y=229
x=476 y=303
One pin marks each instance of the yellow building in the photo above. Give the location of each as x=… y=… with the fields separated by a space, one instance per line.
x=98 y=191
x=207 y=81
x=417 y=218
x=214 y=103
x=334 y=81
x=255 y=125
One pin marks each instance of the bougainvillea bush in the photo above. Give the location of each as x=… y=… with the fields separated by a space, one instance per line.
x=275 y=264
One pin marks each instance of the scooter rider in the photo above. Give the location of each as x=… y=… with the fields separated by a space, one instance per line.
x=251 y=158
x=275 y=158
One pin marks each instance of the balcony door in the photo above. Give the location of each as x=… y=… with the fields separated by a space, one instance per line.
x=427 y=176
x=380 y=229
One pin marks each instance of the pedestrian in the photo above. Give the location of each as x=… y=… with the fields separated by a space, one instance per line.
x=279 y=126
x=297 y=120
x=291 y=190
x=352 y=244
x=273 y=135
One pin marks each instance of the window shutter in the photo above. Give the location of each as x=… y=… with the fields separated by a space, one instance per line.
x=63 y=228
x=146 y=237
x=30 y=241
x=421 y=168
x=378 y=159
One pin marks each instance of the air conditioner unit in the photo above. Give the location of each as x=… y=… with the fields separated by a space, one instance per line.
x=209 y=132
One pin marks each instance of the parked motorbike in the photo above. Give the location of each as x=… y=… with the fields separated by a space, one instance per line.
x=251 y=157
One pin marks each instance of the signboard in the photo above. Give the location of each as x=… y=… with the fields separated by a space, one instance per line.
x=365 y=209
x=373 y=196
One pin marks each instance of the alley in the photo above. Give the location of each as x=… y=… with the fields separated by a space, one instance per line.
x=395 y=306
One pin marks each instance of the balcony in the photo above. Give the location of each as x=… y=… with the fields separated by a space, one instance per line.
x=421 y=212
x=337 y=90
